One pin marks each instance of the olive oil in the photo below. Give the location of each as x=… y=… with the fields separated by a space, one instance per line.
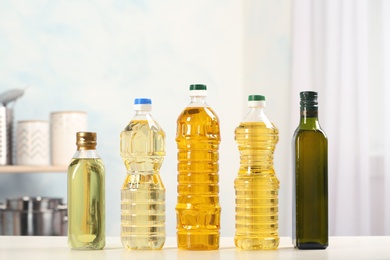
x=198 y=209
x=143 y=192
x=256 y=185
x=310 y=168
x=86 y=199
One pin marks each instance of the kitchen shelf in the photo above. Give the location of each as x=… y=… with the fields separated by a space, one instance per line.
x=32 y=169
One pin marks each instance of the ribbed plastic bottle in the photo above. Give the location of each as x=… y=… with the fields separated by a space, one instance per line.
x=198 y=210
x=310 y=169
x=256 y=185
x=142 y=147
x=86 y=196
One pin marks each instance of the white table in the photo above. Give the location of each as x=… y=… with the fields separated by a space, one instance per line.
x=24 y=247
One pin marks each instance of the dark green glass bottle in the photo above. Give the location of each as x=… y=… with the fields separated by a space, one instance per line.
x=310 y=178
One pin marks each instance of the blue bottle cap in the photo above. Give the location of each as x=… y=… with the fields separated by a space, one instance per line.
x=141 y=101
x=143 y=104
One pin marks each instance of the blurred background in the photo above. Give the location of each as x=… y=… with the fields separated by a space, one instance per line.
x=97 y=56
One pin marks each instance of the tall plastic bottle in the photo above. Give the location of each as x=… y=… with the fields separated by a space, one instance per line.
x=142 y=147
x=86 y=195
x=198 y=210
x=256 y=185
x=310 y=177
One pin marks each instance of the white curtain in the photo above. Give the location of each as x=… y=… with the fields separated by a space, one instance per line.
x=340 y=48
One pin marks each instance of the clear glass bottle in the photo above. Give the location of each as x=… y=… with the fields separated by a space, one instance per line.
x=198 y=209
x=256 y=185
x=86 y=195
x=142 y=148
x=310 y=178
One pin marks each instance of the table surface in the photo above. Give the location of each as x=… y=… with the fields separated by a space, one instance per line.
x=35 y=247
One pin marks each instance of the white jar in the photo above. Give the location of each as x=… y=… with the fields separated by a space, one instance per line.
x=63 y=126
x=32 y=142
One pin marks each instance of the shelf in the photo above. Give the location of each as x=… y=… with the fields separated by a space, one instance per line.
x=32 y=169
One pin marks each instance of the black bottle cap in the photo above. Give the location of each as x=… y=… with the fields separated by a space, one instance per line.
x=309 y=99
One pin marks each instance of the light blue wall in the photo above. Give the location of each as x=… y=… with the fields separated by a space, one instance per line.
x=97 y=56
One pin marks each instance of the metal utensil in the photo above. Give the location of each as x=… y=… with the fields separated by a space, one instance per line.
x=11 y=95
x=6 y=135
x=33 y=216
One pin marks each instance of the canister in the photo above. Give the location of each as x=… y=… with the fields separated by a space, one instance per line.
x=32 y=142
x=63 y=128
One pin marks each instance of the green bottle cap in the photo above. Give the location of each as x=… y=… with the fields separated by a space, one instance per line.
x=198 y=87
x=199 y=90
x=309 y=95
x=309 y=99
x=256 y=98
x=256 y=101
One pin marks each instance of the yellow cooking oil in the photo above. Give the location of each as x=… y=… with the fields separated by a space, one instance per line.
x=198 y=209
x=256 y=187
x=142 y=149
x=86 y=216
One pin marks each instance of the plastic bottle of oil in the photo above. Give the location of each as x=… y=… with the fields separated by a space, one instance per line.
x=86 y=195
x=142 y=147
x=256 y=185
x=198 y=210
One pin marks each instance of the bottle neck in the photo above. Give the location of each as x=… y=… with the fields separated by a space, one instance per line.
x=142 y=115
x=86 y=153
x=309 y=110
x=142 y=112
x=198 y=101
x=256 y=110
x=309 y=116
x=255 y=114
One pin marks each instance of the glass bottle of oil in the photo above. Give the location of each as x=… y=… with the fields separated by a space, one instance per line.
x=198 y=209
x=256 y=185
x=142 y=148
x=86 y=195
x=310 y=177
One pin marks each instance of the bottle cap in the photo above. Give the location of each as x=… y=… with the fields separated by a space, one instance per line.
x=143 y=104
x=86 y=140
x=309 y=95
x=256 y=101
x=309 y=99
x=199 y=90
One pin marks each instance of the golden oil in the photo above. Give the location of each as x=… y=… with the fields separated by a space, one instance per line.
x=256 y=184
x=198 y=209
